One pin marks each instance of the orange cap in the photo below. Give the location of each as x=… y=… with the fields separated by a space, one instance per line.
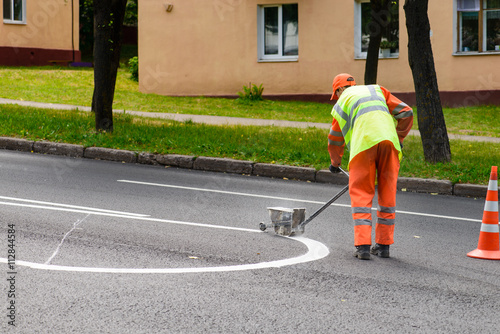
x=341 y=80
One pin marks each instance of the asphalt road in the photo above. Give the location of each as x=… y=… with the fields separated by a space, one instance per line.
x=103 y=247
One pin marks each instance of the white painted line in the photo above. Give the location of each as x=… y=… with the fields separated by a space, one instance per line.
x=55 y=208
x=437 y=216
x=97 y=213
x=229 y=192
x=292 y=199
x=71 y=206
x=316 y=251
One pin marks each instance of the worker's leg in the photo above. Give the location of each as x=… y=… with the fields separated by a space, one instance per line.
x=362 y=170
x=387 y=169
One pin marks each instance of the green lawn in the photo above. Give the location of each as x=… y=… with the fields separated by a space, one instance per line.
x=75 y=86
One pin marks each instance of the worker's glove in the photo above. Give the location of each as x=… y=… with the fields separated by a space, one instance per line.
x=333 y=169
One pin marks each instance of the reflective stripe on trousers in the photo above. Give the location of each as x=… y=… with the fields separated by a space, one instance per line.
x=382 y=162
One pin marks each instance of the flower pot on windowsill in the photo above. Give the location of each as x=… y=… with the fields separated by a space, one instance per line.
x=386 y=47
x=386 y=53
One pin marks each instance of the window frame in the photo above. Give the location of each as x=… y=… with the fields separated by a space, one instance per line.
x=261 y=56
x=358 y=31
x=482 y=29
x=11 y=19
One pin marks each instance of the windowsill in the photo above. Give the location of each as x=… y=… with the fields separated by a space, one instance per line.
x=392 y=56
x=278 y=60
x=476 y=53
x=14 y=22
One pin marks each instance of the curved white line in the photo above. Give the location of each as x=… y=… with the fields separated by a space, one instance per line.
x=316 y=251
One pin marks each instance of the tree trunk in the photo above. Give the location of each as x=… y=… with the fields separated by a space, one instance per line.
x=108 y=21
x=379 y=21
x=431 y=122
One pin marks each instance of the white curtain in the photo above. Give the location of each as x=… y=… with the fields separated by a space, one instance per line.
x=468 y=5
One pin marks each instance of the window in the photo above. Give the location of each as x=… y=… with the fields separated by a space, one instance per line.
x=363 y=26
x=278 y=32
x=478 y=25
x=14 y=11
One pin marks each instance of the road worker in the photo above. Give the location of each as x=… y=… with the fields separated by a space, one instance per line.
x=372 y=123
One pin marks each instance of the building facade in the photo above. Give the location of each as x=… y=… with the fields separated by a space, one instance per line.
x=294 y=48
x=36 y=32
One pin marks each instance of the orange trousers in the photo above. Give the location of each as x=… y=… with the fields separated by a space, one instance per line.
x=382 y=162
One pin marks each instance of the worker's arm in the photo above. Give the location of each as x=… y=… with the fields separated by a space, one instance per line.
x=336 y=144
x=401 y=112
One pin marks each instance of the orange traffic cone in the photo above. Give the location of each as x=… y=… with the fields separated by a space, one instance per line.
x=488 y=246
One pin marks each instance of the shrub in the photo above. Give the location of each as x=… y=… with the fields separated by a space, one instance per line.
x=133 y=67
x=251 y=93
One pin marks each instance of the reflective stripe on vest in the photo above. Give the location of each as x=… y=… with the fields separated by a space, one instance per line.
x=364 y=119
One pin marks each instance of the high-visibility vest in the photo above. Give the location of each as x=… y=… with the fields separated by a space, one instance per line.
x=364 y=119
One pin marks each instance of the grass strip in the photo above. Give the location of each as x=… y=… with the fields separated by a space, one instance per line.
x=75 y=86
x=471 y=163
x=66 y=85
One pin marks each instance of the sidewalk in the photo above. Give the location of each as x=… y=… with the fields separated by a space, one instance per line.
x=221 y=120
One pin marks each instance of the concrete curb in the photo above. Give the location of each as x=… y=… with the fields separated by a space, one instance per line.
x=16 y=144
x=102 y=153
x=226 y=165
x=223 y=165
x=325 y=176
x=69 y=150
x=470 y=190
x=282 y=171
x=176 y=160
x=431 y=186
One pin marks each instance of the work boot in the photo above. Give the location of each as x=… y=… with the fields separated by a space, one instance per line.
x=363 y=252
x=380 y=250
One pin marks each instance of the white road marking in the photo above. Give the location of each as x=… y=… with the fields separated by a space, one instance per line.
x=316 y=250
x=124 y=215
x=70 y=206
x=437 y=216
x=229 y=192
x=291 y=199
x=55 y=208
